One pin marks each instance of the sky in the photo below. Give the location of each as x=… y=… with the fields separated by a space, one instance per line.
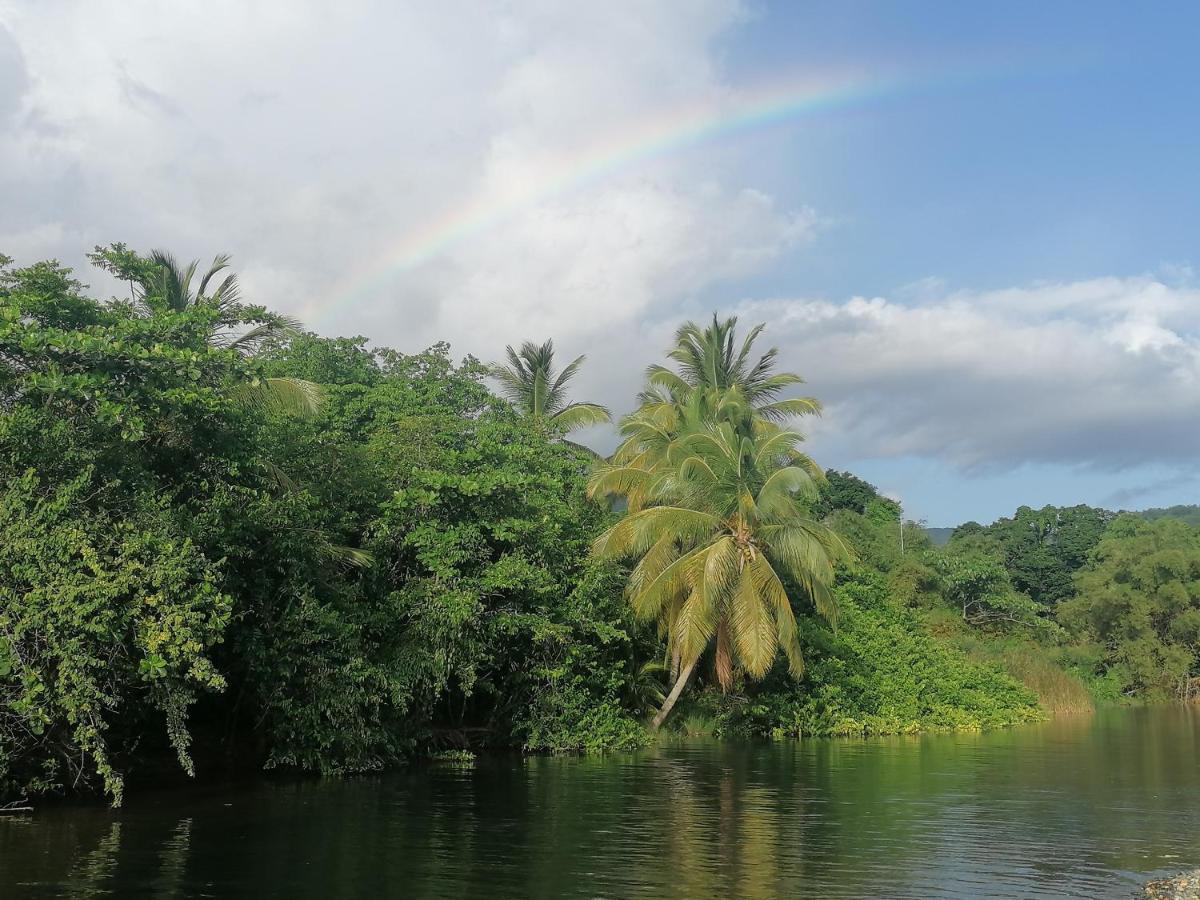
x=972 y=228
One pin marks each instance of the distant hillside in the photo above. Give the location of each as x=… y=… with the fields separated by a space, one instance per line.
x=939 y=536
x=1186 y=512
x=1189 y=513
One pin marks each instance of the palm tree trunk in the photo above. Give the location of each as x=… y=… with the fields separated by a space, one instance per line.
x=669 y=703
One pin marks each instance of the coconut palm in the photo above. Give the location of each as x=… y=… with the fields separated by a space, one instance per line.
x=168 y=284
x=530 y=383
x=707 y=446
x=718 y=538
x=711 y=363
x=717 y=380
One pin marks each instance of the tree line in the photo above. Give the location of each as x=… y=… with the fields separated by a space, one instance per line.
x=229 y=543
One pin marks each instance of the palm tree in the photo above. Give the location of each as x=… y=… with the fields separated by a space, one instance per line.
x=168 y=284
x=710 y=365
x=530 y=384
x=718 y=538
x=714 y=381
x=709 y=439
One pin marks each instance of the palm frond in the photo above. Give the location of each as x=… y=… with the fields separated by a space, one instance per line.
x=570 y=370
x=250 y=342
x=771 y=589
x=347 y=557
x=581 y=415
x=674 y=582
x=693 y=627
x=289 y=396
x=753 y=626
x=220 y=263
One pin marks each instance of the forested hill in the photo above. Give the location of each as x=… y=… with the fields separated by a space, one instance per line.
x=1184 y=512
x=1189 y=513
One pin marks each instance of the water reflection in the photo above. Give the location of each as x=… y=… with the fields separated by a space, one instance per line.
x=90 y=872
x=172 y=862
x=1075 y=807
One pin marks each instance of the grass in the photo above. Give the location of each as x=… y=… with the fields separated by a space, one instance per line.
x=1059 y=692
x=697 y=725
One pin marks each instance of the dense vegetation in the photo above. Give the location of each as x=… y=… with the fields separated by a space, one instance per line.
x=1189 y=513
x=228 y=543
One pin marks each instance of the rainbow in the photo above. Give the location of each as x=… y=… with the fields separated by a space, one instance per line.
x=647 y=139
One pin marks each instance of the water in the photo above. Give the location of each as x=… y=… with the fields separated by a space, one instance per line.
x=1082 y=807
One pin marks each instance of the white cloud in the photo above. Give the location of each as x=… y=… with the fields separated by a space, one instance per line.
x=310 y=139
x=1102 y=372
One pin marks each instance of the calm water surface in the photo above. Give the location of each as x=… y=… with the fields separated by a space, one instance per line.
x=1084 y=807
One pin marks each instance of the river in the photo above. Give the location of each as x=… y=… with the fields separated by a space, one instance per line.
x=1076 y=807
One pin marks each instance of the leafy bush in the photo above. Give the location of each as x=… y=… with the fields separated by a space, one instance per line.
x=880 y=673
x=102 y=621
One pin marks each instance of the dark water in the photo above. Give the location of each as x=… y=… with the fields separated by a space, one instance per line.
x=1084 y=807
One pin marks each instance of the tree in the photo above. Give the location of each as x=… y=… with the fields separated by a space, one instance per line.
x=534 y=389
x=979 y=586
x=1185 y=512
x=715 y=490
x=843 y=490
x=1138 y=597
x=1041 y=548
x=114 y=429
x=708 y=362
x=160 y=282
x=715 y=378
x=714 y=383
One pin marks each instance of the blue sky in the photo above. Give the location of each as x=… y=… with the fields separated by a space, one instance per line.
x=986 y=275
x=1075 y=157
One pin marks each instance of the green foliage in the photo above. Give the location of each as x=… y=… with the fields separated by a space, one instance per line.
x=585 y=688
x=717 y=519
x=978 y=586
x=1189 y=513
x=1050 y=671
x=881 y=672
x=843 y=490
x=101 y=621
x=875 y=537
x=1040 y=548
x=484 y=541
x=1139 y=600
x=114 y=422
x=535 y=389
x=403 y=567
x=227 y=542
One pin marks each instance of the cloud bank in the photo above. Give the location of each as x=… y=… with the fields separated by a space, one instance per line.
x=1102 y=372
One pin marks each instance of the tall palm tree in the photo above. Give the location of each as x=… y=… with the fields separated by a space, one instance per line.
x=168 y=284
x=709 y=438
x=719 y=536
x=530 y=383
